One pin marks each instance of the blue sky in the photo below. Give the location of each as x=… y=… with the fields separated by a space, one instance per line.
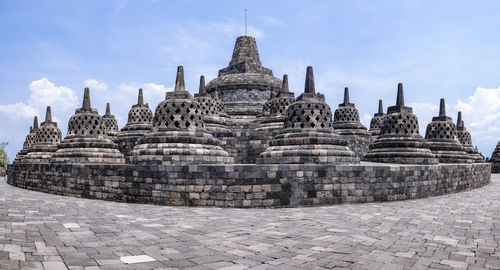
x=51 y=50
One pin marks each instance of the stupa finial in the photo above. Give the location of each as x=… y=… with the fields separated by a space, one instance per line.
x=31 y=129
x=380 y=107
x=346 y=95
x=442 y=108
x=35 y=123
x=108 y=109
x=140 y=99
x=202 y=90
x=400 y=100
x=179 y=80
x=309 y=87
x=460 y=122
x=284 y=84
x=216 y=94
x=86 y=99
x=48 y=115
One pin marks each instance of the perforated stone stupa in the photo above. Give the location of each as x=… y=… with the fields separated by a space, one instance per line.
x=140 y=122
x=210 y=110
x=245 y=85
x=346 y=123
x=47 y=137
x=377 y=120
x=179 y=135
x=495 y=159
x=441 y=134
x=308 y=135
x=110 y=123
x=86 y=141
x=276 y=109
x=399 y=140
x=28 y=142
x=465 y=138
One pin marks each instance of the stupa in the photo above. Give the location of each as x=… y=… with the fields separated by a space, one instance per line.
x=308 y=135
x=86 y=141
x=179 y=135
x=377 y=120
x=245 y=85
x=210 y=110
x=399 y=140
x=346 y=123
x=140 y=122
x=110 y=123
x=28 y=142
x=441 y=134
x=47 y=137
x=277 y=109
x=466 y=140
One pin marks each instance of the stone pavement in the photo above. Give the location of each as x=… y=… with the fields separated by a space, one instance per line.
x=43 y=231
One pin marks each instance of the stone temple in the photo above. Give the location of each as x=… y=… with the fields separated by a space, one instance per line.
x=246 y=140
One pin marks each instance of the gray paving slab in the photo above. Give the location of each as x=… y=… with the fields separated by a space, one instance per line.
x=457 y=231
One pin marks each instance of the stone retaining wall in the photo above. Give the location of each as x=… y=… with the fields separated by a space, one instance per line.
x=250 y=185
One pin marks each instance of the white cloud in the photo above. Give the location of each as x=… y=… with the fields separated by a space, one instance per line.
x=481 y=114
x=94 y=84
x=45 y=93
x=18 y=110
x=271 y=20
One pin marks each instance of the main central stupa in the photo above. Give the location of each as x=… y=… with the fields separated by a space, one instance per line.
x=245 y=85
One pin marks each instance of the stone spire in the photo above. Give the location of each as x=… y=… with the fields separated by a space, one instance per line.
x=245 y=51
x=442 y=112
x=346 y=103
x=31 y=128
x=108 y=110
x=35 y=123
x=400 y=102
x=180 y=86
x=86 y=100
x=460 y=122
x=140 y=99
x=380 y=107
x=284 y=84
x=309 y=87
x=48 y=115
x=202 y=90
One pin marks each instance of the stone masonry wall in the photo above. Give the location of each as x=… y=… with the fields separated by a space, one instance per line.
x=250 y=185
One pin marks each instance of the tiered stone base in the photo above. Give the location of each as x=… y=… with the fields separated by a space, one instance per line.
x=402 y=150
x=126 y=140
x=250 y=185
x=178 y=147
x=271 y=124
x=40 y=154
x=216 y=124
x=448 y=152
x=87 y=150
x=473 y=153
x=358 y=142
x=297 y=146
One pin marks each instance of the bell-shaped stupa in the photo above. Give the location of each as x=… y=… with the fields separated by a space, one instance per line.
x=441 y=134
x=346 y=123
x=47 y=137
x=86 y=140
x=245 y=85
x=179 y=135
x=110 y=123
x=140 y=122
x=276 y=115
x=308 y=135
x=466 y=140
x=28 y=142
x=377 y=120
x=210 y=110
x=399 y=140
